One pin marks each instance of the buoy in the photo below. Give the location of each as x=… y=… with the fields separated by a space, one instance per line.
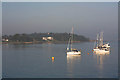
x=52 y=58
x=88 y=53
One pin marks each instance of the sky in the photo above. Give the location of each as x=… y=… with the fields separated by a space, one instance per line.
x=88 y=18
x=60 y=0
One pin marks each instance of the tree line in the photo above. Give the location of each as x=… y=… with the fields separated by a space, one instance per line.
x=38 y=37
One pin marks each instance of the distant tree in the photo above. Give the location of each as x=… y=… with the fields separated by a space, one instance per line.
x=16 y=37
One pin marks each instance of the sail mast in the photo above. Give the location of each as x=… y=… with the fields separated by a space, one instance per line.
x=97 y=39
x=101 y=39
x=96 y=42
x=71 y=38
x=68 y=44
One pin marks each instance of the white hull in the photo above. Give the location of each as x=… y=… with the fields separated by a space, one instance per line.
x=101 y=51
x=73 y=53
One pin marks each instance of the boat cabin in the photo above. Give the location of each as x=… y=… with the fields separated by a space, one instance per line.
x=75 y=50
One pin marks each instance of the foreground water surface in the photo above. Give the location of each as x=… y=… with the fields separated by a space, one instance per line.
x=35 y=61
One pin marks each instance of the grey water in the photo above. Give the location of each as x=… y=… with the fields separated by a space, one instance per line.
x=35 y=61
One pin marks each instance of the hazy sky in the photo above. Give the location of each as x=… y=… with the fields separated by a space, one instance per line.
x=60 y=0
x=88 y=18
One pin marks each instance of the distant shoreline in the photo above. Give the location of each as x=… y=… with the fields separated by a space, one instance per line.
x=49 y=42
x=46 y=42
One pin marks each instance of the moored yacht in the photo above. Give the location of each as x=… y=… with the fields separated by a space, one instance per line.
x=99 y=46
x=70 y=50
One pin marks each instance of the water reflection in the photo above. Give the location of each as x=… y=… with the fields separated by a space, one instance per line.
x=101 y=57
x=71 y=61
x=17 y=61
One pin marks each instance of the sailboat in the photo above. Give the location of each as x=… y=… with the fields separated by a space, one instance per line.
x=99 y=46
x=70 y=49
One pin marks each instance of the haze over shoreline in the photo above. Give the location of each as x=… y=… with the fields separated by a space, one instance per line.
x=88 y=18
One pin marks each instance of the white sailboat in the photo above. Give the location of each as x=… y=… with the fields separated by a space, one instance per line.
x=71 y=50
x=100 y=47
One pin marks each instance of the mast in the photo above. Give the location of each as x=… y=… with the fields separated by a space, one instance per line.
x=101 y=39
x=71 y=38
x=97 y=39
x=68 y=45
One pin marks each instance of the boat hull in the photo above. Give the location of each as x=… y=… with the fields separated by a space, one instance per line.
x=73 y=53
x=101 y=52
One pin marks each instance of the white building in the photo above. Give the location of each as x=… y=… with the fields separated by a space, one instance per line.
x=5 y=40
x=47 y=38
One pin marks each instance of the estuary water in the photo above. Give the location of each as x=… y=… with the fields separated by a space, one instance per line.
x=35 y=61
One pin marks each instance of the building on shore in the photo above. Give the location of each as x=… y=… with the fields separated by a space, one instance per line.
x=5 y=40
x=47 y=38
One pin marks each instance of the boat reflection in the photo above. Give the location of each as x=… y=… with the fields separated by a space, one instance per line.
x=73 y=58
x=101 y=58
x=71 y=61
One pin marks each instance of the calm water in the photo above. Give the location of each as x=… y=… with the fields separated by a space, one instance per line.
x=35 y=61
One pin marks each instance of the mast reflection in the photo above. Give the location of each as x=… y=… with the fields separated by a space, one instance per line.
x=71 y=61
x=101 y=57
